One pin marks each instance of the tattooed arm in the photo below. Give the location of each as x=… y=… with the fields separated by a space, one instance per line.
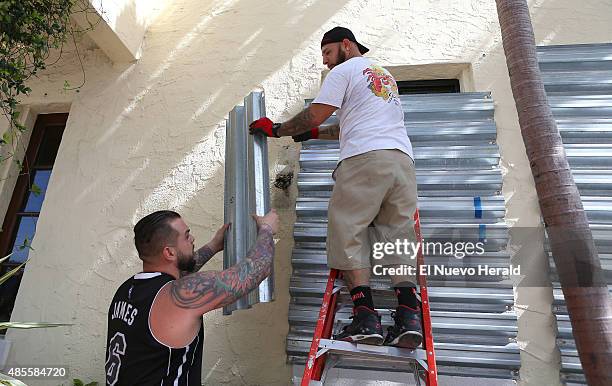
x=176 y=313
x=205 y=291
x=310 y=117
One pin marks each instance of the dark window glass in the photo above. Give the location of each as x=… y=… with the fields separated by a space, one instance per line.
x=49 y=146
x=428 y=86
x=8 y=293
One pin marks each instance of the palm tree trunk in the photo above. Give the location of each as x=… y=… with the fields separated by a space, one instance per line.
x=573 y=249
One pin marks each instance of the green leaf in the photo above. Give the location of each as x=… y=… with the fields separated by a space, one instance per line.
x=29 y=30
x=7 y=137
x=6 y=380
x=13 y=271
x=27 y=242
x=5 y=257
x=77 y=382
x=36 y=190
x=30 y=325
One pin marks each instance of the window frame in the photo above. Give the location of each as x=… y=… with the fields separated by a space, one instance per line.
x=23 y=183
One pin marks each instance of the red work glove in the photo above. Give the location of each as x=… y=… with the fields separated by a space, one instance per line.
x=264 y=126
x=312 y=134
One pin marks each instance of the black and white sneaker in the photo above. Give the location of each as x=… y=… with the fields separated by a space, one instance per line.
x=407 y=331
x=365 y=328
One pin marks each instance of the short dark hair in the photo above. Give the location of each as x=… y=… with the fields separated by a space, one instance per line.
x=153 y=232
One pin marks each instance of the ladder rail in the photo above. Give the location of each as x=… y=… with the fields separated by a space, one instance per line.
x=432 y=368
x=314 y=366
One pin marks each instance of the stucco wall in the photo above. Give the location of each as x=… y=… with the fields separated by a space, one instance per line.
x=150 y=135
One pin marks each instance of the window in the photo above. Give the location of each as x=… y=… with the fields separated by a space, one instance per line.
x=24 y=209
x=428 y=86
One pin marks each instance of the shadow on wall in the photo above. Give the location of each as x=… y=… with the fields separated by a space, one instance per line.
x=175 y=99
x=228 y=50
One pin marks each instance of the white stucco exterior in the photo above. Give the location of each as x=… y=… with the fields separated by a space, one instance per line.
x=149 y=135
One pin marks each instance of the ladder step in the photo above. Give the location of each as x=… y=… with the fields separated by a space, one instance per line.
x=395 y=354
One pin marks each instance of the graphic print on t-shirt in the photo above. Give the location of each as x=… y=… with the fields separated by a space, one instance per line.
x=382 y=84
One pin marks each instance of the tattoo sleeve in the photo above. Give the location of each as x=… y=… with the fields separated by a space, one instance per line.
x=299 y=124
x=201 y=257
x=329 y=132
x=213 y=289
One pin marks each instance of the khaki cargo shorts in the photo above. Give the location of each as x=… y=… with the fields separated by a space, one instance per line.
x=374 y=200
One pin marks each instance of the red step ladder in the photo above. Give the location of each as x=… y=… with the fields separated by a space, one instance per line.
x=423 y=360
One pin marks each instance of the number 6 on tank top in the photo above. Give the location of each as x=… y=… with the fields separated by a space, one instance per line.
x=116 y=349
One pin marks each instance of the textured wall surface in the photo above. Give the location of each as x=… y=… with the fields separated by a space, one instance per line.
x=120 y=25
x=150 y=135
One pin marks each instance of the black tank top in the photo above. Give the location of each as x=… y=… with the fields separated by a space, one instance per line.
x=134 y=356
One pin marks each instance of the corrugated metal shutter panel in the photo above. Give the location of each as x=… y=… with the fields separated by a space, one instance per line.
x=459 y=184
x=578 y=81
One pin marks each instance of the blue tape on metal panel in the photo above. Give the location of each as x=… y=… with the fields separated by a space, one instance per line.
x=482 y=232
x=477 y=207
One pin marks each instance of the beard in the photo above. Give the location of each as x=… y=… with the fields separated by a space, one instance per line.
x=341 y=57
x=186 y=263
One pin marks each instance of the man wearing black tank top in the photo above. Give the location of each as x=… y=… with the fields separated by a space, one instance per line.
x=155 y=318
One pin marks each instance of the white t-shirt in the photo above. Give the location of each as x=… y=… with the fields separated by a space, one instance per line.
x=370 y=113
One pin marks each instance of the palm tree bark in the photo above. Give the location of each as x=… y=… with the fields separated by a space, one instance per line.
x=572 y=245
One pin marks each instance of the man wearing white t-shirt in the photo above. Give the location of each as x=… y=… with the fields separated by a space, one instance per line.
x=375 y=195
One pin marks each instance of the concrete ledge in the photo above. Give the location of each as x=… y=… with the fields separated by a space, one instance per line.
x=119 y=27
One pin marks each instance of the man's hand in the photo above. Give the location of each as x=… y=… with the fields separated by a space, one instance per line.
x=312 y=134
x=264 y=126
x=270 y=219
x=216 y=244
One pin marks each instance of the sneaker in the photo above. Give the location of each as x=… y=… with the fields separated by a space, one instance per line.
x=407 y=331
x=365 y=328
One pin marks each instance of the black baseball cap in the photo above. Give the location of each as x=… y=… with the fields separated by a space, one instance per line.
x=337 y=34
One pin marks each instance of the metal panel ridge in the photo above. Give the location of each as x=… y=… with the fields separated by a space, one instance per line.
x=246 y=192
